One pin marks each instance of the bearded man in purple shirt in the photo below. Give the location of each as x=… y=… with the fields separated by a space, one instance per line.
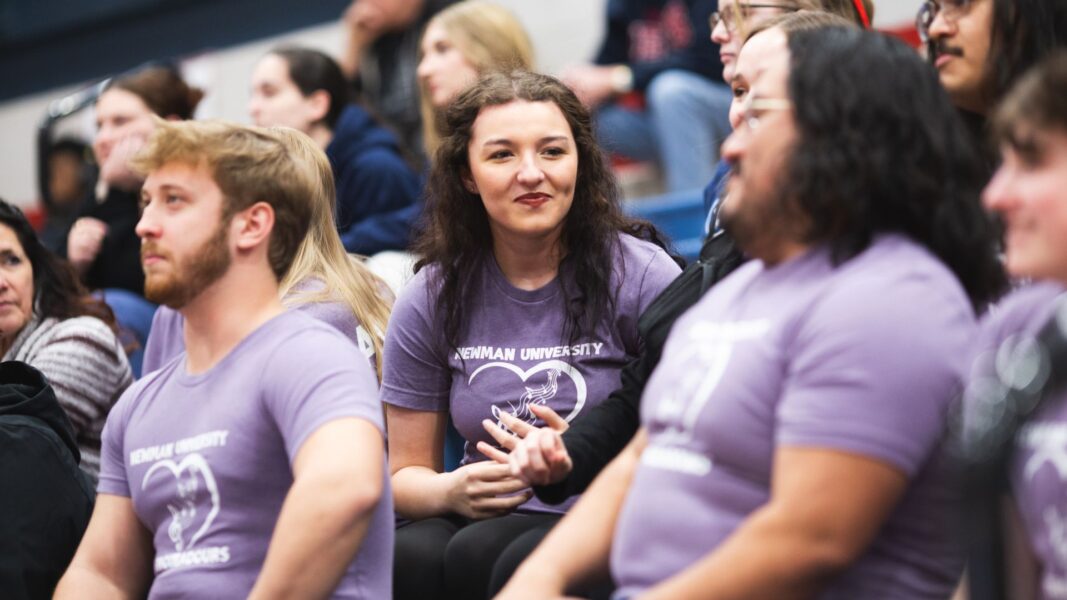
x=791 y=434
x=253 y=464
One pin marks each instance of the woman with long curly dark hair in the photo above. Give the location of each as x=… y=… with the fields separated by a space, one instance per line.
x=528 y=289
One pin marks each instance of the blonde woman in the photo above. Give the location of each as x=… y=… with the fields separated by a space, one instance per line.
x=462 y=43
x=323 y=280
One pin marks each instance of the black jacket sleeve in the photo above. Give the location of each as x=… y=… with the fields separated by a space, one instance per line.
x=118 y=265
x=596 y=438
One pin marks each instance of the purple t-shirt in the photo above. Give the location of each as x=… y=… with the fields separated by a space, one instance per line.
x=513 y=353
x=1038 y=469
x=166 y=339
x=207 y=458
x=864 y=358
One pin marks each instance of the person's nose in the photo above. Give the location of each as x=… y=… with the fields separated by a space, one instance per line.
x=530 y=171
x=148 y=225
x=720 y=34
x=941 y=27
x=105 y=138
x=1000 y=195
x=733 y=147
x=254 y=108
x=425 y=67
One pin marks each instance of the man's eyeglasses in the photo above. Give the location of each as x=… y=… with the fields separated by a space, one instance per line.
x=729 y=18
x=950 y=10
x=754 y=108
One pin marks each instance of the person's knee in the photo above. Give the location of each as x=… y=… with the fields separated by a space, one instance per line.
x=420 y=546
x=672 y=87
x=513 y=556
x=468 y=547
x=682 y=95
x=418 y=565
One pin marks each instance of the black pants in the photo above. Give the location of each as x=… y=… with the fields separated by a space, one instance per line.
x=454 y=558
x=522 y=547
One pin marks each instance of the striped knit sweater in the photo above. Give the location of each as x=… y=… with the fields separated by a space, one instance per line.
x=87 y=368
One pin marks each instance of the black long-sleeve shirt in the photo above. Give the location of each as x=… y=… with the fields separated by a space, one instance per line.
x=118 y=265
x=597 y=437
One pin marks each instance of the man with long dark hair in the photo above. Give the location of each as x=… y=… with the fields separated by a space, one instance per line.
x=791 y=433
x=980 y=48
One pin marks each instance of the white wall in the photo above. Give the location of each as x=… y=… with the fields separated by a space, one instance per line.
x=892 y=13
x=563 y=31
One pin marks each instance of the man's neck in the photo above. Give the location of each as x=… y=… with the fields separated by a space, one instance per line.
x=225 y=313
x=782 y=252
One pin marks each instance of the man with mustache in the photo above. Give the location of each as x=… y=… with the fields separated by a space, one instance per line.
x=252 y=465
x=981 y=47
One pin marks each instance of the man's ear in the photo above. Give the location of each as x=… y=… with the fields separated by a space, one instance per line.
x=252 y=226
x=318 y=105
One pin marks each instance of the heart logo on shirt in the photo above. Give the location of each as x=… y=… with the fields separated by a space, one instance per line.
x=195 y=487
x=540 y=393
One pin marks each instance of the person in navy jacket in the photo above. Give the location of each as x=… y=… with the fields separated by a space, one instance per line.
x=378 y=191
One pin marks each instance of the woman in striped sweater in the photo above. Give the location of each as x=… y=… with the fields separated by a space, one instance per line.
x=48 y=320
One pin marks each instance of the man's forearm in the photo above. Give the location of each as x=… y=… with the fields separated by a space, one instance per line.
x=114 y=558
x=826 y=508
x=339 y=478
x=764 y=558
x=81 y=582
x=320 y=528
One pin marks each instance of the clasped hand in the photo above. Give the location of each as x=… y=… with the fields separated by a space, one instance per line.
x=535 y=455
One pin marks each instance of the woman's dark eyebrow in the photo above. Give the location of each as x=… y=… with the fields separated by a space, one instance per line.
x=507 y=142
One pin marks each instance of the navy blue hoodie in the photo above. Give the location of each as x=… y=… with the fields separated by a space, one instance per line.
x=377 y=191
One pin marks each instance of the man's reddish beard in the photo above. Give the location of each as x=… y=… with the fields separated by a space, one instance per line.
x=190 y=276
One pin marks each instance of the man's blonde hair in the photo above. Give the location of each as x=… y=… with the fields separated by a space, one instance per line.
x=322 y=256
x=249 y=165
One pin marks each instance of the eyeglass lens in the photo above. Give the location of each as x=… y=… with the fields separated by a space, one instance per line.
x=950 y=10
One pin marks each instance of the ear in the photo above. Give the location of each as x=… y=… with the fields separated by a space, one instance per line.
x=252 y=226
x=318 y=103
x=468 y=182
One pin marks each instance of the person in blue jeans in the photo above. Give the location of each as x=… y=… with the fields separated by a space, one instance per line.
x=731 y=23
x=662 y=49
